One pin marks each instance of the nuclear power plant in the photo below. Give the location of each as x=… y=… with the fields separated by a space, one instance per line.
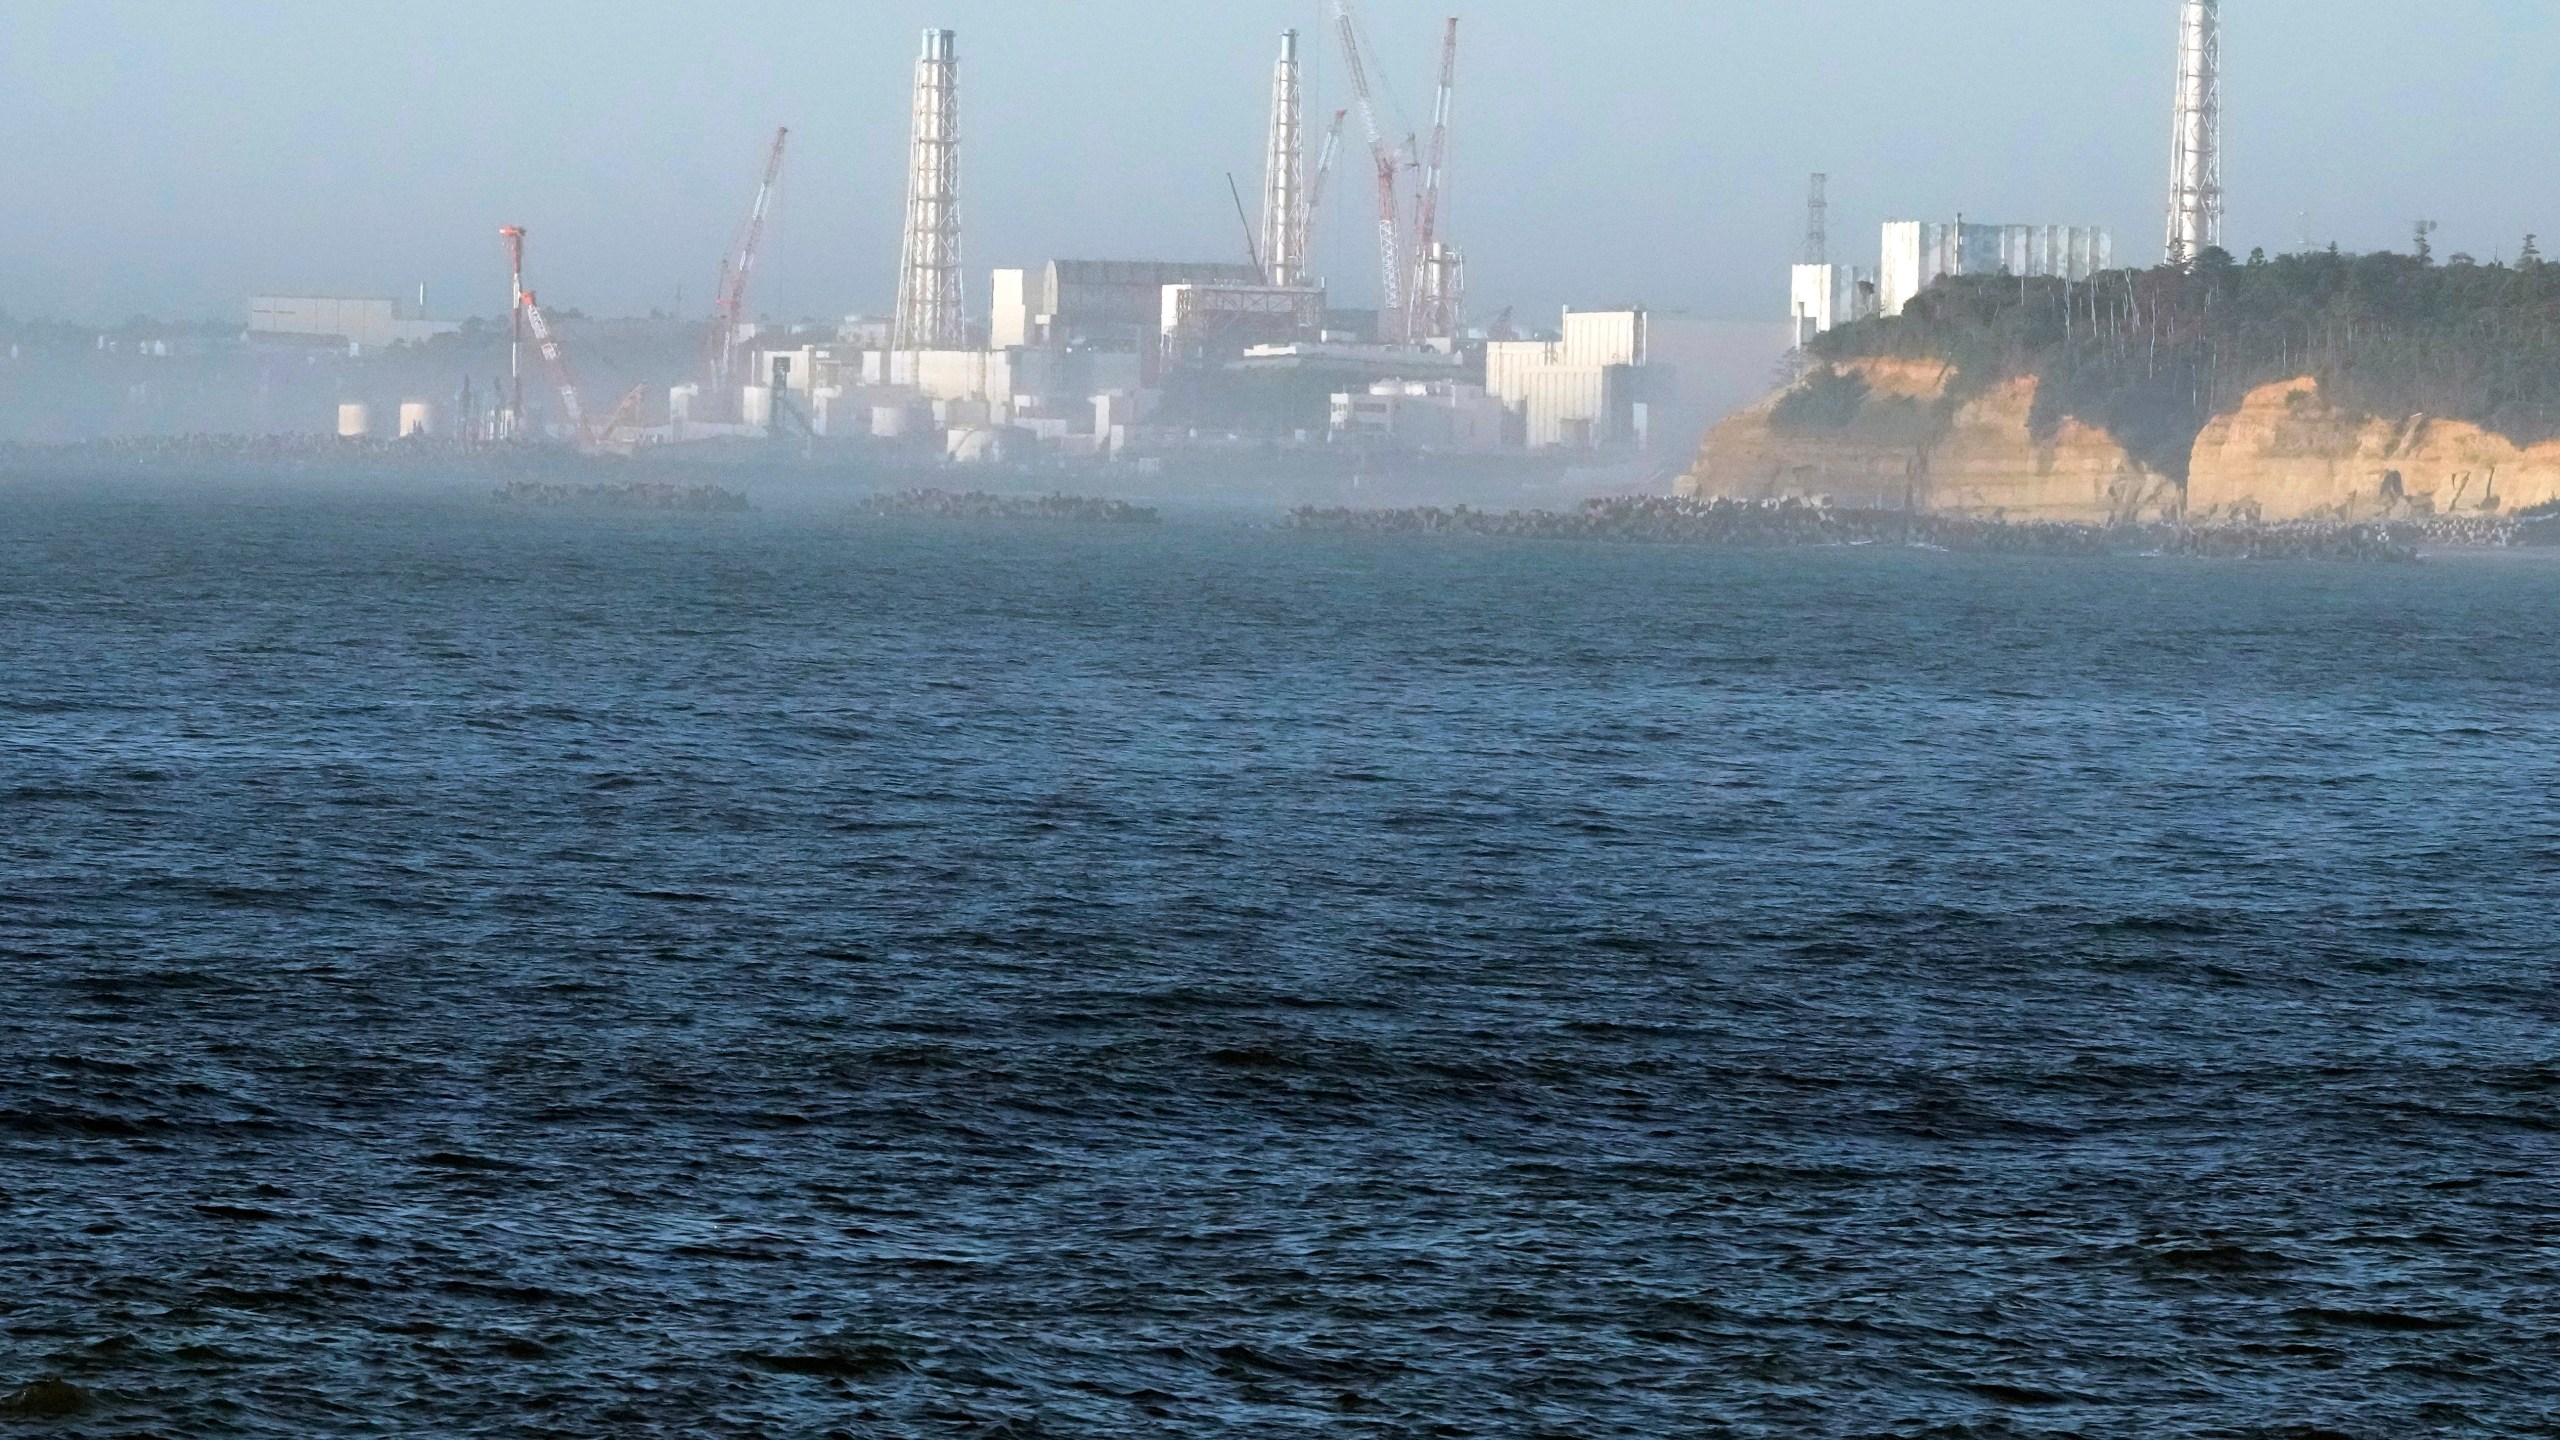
x=1100 y=356
x=1917 y=254
x=1083 y=356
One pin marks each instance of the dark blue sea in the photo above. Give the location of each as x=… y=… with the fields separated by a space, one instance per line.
x=469 y=972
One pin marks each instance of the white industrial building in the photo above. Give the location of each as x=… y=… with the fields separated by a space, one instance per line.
x=1216 y=323
x=1443 y=416
x=1632 y=381
x=1580 y=392
x=1918 y=254
x=365 y=322
x=1829 y=296
x=1108 y=303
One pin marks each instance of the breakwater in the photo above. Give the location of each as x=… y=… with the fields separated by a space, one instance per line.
x=979 y=505
x=638 y=495
x=1782 y=523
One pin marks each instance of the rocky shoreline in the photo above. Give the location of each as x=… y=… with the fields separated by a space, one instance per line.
x=1765 y=524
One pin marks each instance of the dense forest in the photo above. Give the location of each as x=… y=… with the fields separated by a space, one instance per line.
x=2152 y=355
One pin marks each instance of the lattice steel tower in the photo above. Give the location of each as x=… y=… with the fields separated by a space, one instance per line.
x=1817 y=222
x=2195 y=164
x=1285 y=219
x=931 y=312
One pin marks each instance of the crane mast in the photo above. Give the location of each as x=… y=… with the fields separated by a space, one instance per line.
x=512 y=425
x=529 y=313
x=1434 y=270
x=1324 y=167
x=1390 y=164
x=737 y=278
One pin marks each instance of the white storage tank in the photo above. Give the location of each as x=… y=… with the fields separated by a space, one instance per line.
x=417 y=420
x=355 y=422
x=756 y=406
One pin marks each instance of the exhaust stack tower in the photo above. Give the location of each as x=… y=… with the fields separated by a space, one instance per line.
x=1817 y=222
x=1285 y=211
x=931 y=312
x=2195 y=164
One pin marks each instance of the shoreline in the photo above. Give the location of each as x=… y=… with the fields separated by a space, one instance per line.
x=1784 y=524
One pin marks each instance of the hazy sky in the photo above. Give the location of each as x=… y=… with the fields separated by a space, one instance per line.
x=172 y=156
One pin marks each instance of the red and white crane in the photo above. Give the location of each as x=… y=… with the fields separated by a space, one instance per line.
x=1390 y=163
x=529 y=318
x=1435 y=300
x=737 y=282
x=1324 y=168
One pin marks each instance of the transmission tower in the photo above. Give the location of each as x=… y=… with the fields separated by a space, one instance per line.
x=931 y=312
x=1285 y=209
x=1817 y=223
x=2195 y=163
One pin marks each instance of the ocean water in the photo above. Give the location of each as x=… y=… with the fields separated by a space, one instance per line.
x=473 y=973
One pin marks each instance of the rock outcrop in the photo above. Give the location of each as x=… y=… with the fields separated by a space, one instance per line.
x=2287 y=454
x=1875 y=459
x=1904 y=449
x=1991 y=465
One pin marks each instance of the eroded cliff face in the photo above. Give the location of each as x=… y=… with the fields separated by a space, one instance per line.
x=2287 y=454
x=1873 y=461
x=1990 y=464
x=1904 y=451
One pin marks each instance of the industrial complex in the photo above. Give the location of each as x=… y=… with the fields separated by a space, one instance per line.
x=1103 y=358
x=1917 y=254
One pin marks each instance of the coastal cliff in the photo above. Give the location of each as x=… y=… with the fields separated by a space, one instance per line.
x=2288 y=454
x=2284 y=454
x=1881 y=433
x=2320 y=387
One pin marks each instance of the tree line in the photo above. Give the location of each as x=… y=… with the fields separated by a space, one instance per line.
x=2152 y=355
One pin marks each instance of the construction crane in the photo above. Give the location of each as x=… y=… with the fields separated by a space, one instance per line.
x=737 y=281
x=1324 y=168
x=1390 y=163
x=625 y=416
x=1434 y=311
x=529 y=316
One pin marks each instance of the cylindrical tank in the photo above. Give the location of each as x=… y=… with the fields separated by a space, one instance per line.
x=756 y=406
x=417 y=420
x=355 y=422
x=890 y=422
